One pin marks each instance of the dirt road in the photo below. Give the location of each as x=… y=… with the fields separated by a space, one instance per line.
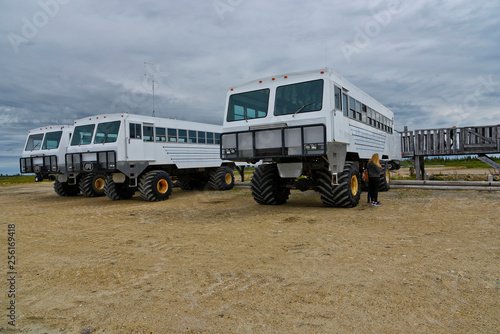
x=217 y=262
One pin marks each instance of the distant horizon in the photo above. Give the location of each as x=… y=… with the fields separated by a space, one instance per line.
x=450 y=157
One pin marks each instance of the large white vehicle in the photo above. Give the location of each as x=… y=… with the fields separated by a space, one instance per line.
x=313 y=130
x=44 y=151
x=119 y=154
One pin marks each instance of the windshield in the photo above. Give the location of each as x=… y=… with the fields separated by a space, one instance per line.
x=298 y=98
x=248 y=105
x=51 y=140
x=107 y=132
x=34 y=142
x=82 y=135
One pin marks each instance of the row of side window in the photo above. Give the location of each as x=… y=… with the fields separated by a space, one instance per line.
x=354 y=109
x=163 y=135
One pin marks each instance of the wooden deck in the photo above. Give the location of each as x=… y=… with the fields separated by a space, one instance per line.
x=451 y=141
x=469 y=140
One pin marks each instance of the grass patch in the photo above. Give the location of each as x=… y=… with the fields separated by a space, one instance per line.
x=8 y=180
x=465 y=162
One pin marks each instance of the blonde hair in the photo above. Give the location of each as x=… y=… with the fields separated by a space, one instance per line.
x=375 y=159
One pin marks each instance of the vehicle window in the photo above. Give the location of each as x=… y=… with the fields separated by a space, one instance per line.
x=352 y=107
x=338 y=98
x=160 y=135
x=83 y=135
x=217 y=138
x=248 y=105
x=135 y=131
x=51 y=140
x=210 y=137
x=299 y=98
x=148 y=133
x=192 y=136
x=172 y=135
x=34 y=142
x=345 y=105
x=358 y=110
x=363 y=113
x=107 y=132
x=201 y=137
x=182 y=136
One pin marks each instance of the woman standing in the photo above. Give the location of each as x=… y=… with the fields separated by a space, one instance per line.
x=375 y=170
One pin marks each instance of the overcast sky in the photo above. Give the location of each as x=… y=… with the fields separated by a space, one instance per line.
x=433 y=63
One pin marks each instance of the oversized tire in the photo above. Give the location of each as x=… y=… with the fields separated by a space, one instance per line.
x=348 y=191
x=64 y=189
x=268 y=187
x=117 y=191
x=92 y=185
x=192 y=181
x=385 y=180
x=184 y=183
x=325 y=186
x=155 y=186
x=221 y=179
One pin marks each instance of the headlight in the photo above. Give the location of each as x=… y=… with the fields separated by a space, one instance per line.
x=311 y=146
x=230 y=151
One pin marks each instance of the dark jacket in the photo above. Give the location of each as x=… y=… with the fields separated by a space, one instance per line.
x=374 y=170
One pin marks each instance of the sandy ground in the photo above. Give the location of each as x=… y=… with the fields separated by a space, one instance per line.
x=217 y=262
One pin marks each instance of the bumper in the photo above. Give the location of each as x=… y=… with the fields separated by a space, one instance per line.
x=284 y=142
x=89 y=162
x=39 y=165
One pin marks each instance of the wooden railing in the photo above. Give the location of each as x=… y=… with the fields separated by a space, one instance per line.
x=451 y=141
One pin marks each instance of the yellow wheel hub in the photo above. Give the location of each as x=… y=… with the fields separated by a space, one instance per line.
x=162 y=186
x=229 y=178
x=99 y=183
x=354 y=185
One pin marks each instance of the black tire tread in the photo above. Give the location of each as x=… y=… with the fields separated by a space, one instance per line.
x=184 y=183
x=66 y=190
x=384 y=185
x=148 y=182
x=87 y=188
x=117 y=191
x=217 y=179
x=339 y=195
x=266 y=186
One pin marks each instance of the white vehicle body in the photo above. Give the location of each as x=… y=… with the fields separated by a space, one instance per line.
x=299 y=121
x=127 y=146
x=341 y=124
x=44 y=151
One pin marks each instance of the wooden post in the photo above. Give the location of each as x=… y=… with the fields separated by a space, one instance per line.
x=422 y=166
x=418 y=163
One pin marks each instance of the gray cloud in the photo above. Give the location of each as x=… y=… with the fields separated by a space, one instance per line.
x=62 y=59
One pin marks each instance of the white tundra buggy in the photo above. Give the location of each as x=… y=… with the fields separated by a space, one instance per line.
x=313 y=130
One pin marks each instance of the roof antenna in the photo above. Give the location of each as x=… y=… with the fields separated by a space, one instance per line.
x=153 y=66
x=326 y=48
